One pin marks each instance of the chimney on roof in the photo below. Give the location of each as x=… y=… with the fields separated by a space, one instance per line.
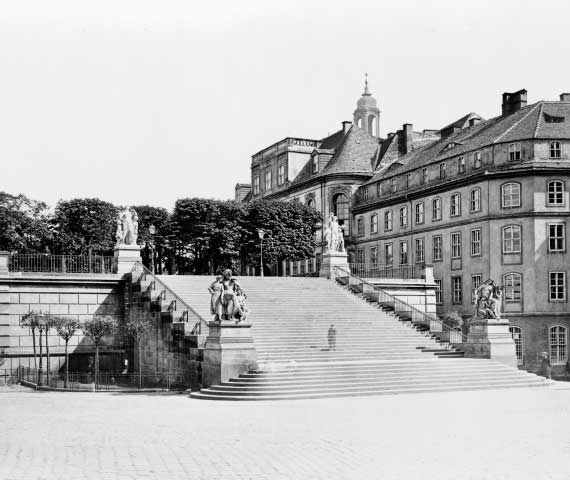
x=513 y=102
x=565 y=97
x=346 y=127
x=407 y=130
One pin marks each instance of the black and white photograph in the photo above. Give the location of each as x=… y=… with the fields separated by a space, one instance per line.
x=253 y=240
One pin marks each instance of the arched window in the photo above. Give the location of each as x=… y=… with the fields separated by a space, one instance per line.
x=555 y=192
x=360 y=226
x=555 y=150
x=436 y=209
x=558 y=342
x=359 y=122
x=475 y=200
x=516 y=332
x=511 y=195
x=340 y=208
x=512 y=239
x=420 y=212
x=512 y=283
x=372 y=124
x=374 y=223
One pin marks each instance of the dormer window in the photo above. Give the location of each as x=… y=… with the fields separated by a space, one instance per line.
x=408 y=180
x=393 y=185
x=425 y=176
x=315 y=163
x=450 y=145
x=442 y=171
x=379 y=189
x=553 y=119
x=365 y=193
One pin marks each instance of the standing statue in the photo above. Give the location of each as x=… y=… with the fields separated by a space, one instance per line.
x=215 y=290
x=233 y=299
x=127 y=227
x=487 y=300
x=332 y=233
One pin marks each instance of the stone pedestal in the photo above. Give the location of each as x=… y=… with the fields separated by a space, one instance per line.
x=490 y=338
x=229 y=352
x=330 y=261
x=126 y=256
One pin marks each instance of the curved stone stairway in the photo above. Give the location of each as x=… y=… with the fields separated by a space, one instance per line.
x=376 y=352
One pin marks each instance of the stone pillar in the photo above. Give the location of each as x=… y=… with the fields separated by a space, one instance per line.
x=228 y=352
x=126 y=256
x=490 y=338
x=332 y=260
x=4 y=260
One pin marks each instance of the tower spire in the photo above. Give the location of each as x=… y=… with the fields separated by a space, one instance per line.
x=366 y=91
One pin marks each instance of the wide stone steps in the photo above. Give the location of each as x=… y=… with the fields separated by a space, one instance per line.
x=377 y=353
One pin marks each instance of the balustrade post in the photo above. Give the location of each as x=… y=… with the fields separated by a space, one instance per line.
x=4 y=262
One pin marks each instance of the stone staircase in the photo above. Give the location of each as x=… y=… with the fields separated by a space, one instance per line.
x=377 y=351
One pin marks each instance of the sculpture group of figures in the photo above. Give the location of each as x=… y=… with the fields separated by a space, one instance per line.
x=127 y=227
x=487 y=300
x=228 y=298
x=334 y=235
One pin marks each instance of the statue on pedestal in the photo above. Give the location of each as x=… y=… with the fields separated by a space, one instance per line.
x=232 y=304
x=487 y=300
x=127 y=227
x=334 y=235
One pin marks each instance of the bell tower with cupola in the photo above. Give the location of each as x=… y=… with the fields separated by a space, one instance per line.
x=367 y=113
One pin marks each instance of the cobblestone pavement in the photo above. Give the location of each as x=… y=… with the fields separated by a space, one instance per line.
x=500 y=434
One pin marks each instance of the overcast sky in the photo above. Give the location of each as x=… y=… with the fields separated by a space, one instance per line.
x=144 y=102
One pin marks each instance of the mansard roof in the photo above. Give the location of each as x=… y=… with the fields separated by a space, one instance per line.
x=541 y=120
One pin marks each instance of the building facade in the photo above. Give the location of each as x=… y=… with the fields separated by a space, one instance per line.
x=489 y=199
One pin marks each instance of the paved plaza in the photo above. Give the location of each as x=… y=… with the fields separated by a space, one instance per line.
x=494 y=434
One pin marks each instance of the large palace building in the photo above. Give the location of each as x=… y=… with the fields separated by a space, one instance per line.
x=477 y=199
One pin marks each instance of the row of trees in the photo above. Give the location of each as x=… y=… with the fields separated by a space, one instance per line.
x=198 y=236
x=95 y=328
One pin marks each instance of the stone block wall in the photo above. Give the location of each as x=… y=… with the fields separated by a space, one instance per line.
x=79 y=297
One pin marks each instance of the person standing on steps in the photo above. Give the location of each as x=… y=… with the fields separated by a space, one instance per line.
x=546 y=365
x=331 y=335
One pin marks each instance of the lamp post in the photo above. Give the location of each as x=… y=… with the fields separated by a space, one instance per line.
x=151 y=231
x=261 y=234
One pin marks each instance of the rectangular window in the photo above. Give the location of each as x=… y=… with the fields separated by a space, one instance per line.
x=360 y=255
x=455 y=205
x=378 y=189
x=256 y=185
x=555 y=150
x=360 y=226
x=268 y=180
x=512 y=283
x=476 y=242
x=404 y=217
x=456 y=245
x=374 y=223
x=442 y=169
x=556 y=237
x=456 y=290
x=420 y=250
x=461 y=165
x=511 y=195
x=425 y=176
x=438 y=292
x=437 y=243
x=475 y=282
x=477 y=160
x=403 y=253
x=420 y=212
x=514 y=152
x=555 y=193
x=557 y=286
x=281 y=175
x=388 y=254
x=475 y=200
x=315 y=164
x=436 y=209
x=364 y=193
x=408 y=180
x=388 y=220
x=374 y=255
x=393 y=185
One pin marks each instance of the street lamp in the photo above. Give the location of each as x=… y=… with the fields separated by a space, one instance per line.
x=261 y=234
x=151 y=231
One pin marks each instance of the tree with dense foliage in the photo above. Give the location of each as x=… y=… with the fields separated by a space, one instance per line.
x=209 y=231
x=24 y=224
x=155 y=244
x=66 y=328
x=96 y=328
x=138 y=327
x=85 y=226
x=289 y=229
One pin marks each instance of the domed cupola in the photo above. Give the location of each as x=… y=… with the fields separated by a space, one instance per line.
x=367 y=113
